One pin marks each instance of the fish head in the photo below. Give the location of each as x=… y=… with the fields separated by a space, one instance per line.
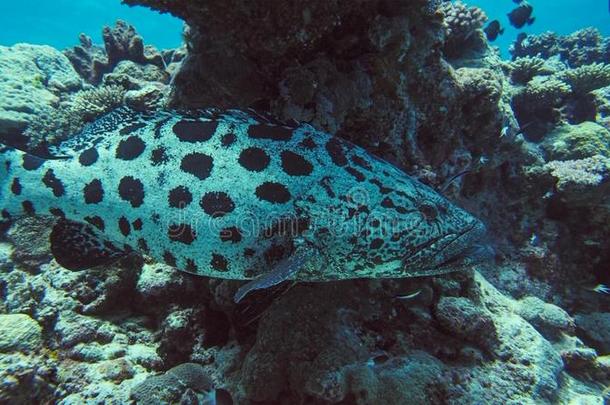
x=415 y=231
x=437 y=236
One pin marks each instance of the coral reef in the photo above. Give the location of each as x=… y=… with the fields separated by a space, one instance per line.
x=461 y=23
x=583 y=47
x=35 y=79
x=587 y=78
x=121 y=42
x=522 y=70
x=415 y=83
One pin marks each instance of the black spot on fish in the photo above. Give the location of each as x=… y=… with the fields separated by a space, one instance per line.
x=169 y=259
x=195 y=131
x=31 y=162
x=124 y=226
x=58 y=212
x=132 y=190
x=182 y=233
x=219 y=262
x=376 y=243
x=217 y=204
x=52 y=182
x=191 y=266
x=16 y=186
x=254 y=159
x=179 y=197
x=357 y=175
x=93 y=192
x=228 y=139
x=131 y=128
x=198 y=164
x=276 y=133
x=387 y=203
x=143 y=245
x=88 y=157
x=308 y=143
x=158 y=126
x=382 y=188
x=335 y=151
x=28 y=207
x=96 y=221
x=295 y=164
x=428 y=211
x=274 y=254
x=130 y=148
x=5 y=214
x=158 y=156
x=359 y=161
x=249 y=252
x=325 y=182
x=137 y=224
x=231 y=234
x=273 y=192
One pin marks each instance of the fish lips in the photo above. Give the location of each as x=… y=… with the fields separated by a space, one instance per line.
x=448 y=252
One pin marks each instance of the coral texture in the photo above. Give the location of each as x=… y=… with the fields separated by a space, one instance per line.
x=525 y=146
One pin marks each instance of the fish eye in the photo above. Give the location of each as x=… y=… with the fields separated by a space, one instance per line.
x=428 y=211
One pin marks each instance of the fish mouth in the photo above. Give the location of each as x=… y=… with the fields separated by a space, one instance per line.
x=446 y=252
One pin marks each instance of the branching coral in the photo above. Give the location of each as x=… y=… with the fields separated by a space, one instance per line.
x=90 y=104
x=522 y=70
x=587 y=78
x=543 y=92
x=583 y=172
x=461 y=22
x=580 y=48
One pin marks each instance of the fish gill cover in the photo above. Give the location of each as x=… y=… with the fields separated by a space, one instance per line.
x=287 y=145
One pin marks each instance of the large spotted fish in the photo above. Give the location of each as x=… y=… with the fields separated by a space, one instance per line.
x=235 y=196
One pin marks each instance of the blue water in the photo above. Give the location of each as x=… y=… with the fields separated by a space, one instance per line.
x=58 y=22
x=560 y=16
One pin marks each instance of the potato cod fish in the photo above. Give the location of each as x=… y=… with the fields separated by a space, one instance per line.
x=233 y=195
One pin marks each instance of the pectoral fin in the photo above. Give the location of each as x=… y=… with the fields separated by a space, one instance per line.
x=283 y=271
x=77 y=246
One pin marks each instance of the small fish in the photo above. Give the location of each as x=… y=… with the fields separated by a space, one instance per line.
x=521 y=15
x=236 y=196
x=601 y=289
x=492 y=30
x=453 y=178
x=408 y=296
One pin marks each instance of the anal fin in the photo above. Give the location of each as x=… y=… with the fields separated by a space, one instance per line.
x=285 y=269
x=77 y=246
